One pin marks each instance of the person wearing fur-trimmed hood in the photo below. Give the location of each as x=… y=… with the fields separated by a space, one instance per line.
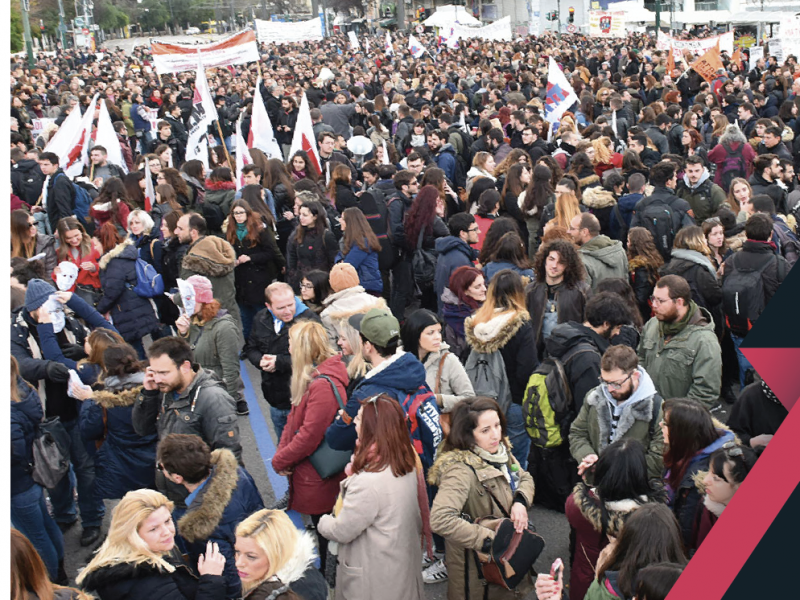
x=221 y=495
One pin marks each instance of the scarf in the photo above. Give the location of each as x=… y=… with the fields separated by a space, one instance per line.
x=674 y=328
x=241 y=231
x=499 y=460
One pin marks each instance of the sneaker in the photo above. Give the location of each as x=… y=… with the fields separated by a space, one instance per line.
x=436 y=573
x=90 y=535
x=241 y=408
x=716 y=408
x=427 y=562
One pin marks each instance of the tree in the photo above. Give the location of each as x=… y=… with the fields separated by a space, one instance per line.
x=16 y=28
x=154 y=14
x=108 y=16
x=344 y=6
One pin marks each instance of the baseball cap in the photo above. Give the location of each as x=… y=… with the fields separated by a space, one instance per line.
x=377 y=325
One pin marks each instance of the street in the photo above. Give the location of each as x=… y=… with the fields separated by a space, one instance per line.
x=258 y=445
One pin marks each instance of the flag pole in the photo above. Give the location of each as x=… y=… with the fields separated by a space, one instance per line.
x=224 y=145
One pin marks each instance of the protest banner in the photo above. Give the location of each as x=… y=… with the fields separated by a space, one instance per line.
x=606 y=24
x=272 y=32
x=790 y=37
x=696 y=47
x=234 y=50
x=708 y=65
x=498 y=31
x=39 y=125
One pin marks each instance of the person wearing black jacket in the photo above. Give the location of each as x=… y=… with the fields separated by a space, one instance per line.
x=271 y=102
x=60 y=195
x=407 y=187
x=312 y=245
x=27 y=178
x=757 y=414
x=268 y=348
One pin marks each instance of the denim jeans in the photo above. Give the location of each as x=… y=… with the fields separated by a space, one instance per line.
x=520 y=440
x=279 y=417
x=92 y=508
x=744 y=364
x=29 y=516
x=248 y=312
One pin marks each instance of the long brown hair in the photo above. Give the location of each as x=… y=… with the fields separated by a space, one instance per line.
x=358 y=232
x=23 y=244
x=29 y=574
x=642 y=245
x=100 y=339
x=274 y=173
x=254 y=224
x=383 y=440
x=167 y=194
x=173 y=177
x=340 y=174
x=71 y=224
x=691 y=428
x=513 y=184
x=14 y=376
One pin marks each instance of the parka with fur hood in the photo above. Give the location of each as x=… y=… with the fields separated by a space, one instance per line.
x=445 y=375
x=601 y=203
x=344 y=304
x=215 y=259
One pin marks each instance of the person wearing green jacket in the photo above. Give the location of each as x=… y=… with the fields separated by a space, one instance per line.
x=678 y=346
x=699 y=190
x=215 y=338
x=624 y=406
x=603 y=257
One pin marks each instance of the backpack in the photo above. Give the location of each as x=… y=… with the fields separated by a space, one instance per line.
x=149 y=282
x=460 y=178
x=658 y=218
x=213 y=215
x=732 y=167
x=466 y=143
x=28 y=184
x=487 y=373
x=548 y=407
x=422 y=414
x=50 y=453
x=786 y=241
x=83 y=200
x=423 y=263
x=743 y=293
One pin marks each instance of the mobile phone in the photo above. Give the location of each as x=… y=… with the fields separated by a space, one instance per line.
x=556 y=569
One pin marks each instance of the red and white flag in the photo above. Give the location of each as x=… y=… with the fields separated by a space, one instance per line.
x=204 y=113
x=242 y=155
x=71 y=141
x=261 y=135
x=149 y=189
x=303 y=138
x=107 y=137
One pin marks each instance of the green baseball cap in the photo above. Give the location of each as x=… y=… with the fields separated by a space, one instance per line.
x=377 y=325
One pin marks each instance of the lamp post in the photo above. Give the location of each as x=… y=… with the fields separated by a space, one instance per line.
x=26 y=26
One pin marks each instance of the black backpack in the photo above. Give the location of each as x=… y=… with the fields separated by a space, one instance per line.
x=659 y=219
x=743 y=293
x=466 y=144
x=28 y=184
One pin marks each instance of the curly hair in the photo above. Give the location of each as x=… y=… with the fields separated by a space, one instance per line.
x=641 y=245
x=568 y=254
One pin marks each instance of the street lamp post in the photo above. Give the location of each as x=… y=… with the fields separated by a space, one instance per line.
x=26 y=26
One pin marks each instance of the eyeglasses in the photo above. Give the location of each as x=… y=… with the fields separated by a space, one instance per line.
x=615 y=385
x=239 y=213
x=473 y=229
x=655 y=300
x=307 y=286
x=731 y=449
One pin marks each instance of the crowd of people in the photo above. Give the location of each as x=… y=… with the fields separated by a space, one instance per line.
x=483 y=313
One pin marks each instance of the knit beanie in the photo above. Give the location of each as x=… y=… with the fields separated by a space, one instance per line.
x=203 y=292
x=38 y=293
x=343 y=276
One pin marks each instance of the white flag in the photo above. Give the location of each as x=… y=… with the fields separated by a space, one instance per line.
x=351 y=35
x=303 y=138
x=204 y=113
x=389 y=48
x=261 y=134
x=149 y=189
x=107 y=137
x=415 y=47
x=242 y=154
x=71 y=142
x=560 y=95
x=385 y=154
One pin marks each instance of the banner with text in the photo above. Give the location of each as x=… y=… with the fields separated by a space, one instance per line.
x=696 y=47
x=499 y=31
x=606 y=24
x=234 y=50
x=272 y=32
x=790 y=37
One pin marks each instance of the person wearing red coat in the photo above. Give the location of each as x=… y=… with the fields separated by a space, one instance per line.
x=308 y=421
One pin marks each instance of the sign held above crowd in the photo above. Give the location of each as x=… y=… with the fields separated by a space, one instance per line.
x=273 y=32
x=234 y=50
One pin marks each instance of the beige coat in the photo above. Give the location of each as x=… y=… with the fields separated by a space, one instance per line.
x=453 y=383
x=463 y=479
x=379 y=531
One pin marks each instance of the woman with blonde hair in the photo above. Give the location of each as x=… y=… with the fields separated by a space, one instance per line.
x=482 y=166
x=565 y=208
x=604 y=156
x=739 y=198
x=275 y=560
x=138 y=559
x=318 y=388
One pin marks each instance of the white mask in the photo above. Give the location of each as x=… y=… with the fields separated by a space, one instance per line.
x=67 y=274
x=187 y=296
x=56 y=311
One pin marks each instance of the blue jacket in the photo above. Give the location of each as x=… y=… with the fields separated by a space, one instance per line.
x=25 y=418
x=125 y=460
x=399 y=376
x=133 y=315
x=366 y=265
x=453 y=253
x=626 y=204
x=491 y=269
x=139 y=124
x=445 y=159
x=226 y=498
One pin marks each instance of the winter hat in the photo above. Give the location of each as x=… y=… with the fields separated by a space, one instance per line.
x=203 y=292
x=343 y=276
x=38 y=292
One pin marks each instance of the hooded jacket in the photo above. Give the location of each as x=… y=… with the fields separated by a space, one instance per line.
x=455 y=312
x=25 y=418
x=447 y=378
x=125 y=460
x=265 y=340
x=688 y=365
x=225 y=499
x=216 y=346
x=27 y=180
x=582 y=368
x=603 y=258
x=305 y=430
x=366 y=264
x=601 y=203
x=215 y=259
x=700 y=274
x=453 y=253
x=133 y=315
x=445 y=159
x=398 y=376
x=512 y=334
x=60 y=198
x=204 y=408
x=298 y=575
x=344 y=304
x=705 y=197
x=639 y=418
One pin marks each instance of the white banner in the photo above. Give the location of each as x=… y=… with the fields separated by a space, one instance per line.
x=696 y=47
x=351 y=35
x=790 y=37
x=39 y=125
x=756 y=54
x=606 y=24
x=234 y=50
x=497 y=31
x=273 y=32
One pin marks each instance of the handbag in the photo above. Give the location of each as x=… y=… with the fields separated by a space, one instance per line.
x=326 y=461
x=423 y=263
x=89 y=294
x=50 y=453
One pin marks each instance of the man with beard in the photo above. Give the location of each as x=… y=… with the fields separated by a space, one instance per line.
x=624 y=406
x=679 y=347
x=179 y=396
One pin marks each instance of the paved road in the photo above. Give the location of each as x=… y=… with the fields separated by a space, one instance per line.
x=258 y=443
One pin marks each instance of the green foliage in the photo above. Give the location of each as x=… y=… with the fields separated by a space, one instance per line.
x=153 y=14
x=16 y=29
x=109 y=16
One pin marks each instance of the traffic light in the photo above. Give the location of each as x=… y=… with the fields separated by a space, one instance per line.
x=571 y=14
x=41 y=25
